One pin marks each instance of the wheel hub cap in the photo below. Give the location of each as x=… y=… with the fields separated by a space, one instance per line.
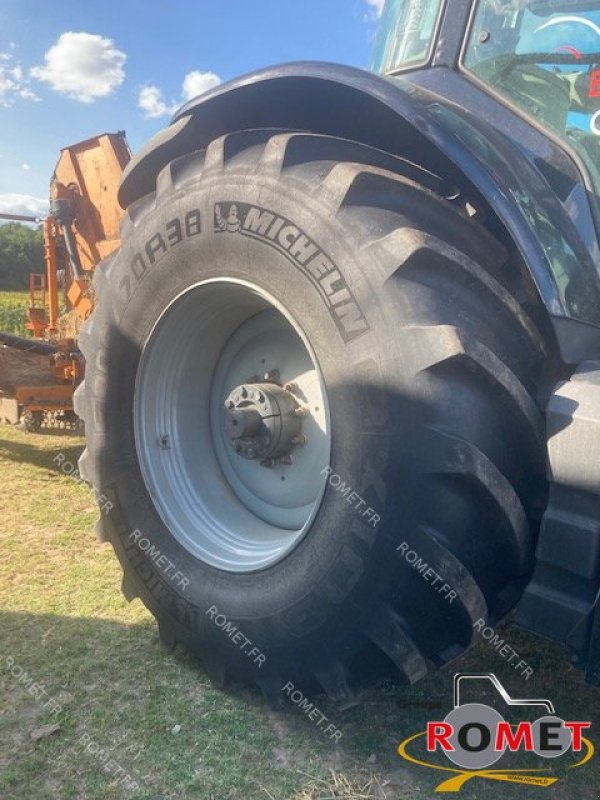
x=262 y=421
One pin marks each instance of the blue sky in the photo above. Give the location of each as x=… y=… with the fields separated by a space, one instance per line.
x=72 y=69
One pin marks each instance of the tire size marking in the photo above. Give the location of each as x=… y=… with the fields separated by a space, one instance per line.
x=174 y=232
x=303 y=253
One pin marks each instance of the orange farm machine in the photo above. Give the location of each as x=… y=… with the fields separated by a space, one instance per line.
x=39 y=374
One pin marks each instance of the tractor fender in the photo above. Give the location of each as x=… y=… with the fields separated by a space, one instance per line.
x=408 y=120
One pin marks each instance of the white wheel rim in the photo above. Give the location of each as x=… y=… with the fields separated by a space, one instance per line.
x=228 y=511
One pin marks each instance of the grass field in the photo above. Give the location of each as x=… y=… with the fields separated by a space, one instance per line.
x=156 y=716
x=13 y=311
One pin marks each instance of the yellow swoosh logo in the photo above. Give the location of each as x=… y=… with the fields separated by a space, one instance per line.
x=461 y=776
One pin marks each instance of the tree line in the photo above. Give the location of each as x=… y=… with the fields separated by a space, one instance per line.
x=21 y=252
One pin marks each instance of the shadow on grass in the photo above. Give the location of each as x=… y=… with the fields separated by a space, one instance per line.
x=30 y=452
x=111 y=678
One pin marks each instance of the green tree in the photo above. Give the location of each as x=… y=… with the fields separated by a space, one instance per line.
x=21 y=252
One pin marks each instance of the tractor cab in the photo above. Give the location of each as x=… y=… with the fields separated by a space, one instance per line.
x=540 y=57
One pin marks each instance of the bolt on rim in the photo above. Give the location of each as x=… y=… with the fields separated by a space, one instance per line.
x=232 y=425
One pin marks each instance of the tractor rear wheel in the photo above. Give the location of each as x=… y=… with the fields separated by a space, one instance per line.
x=311 y=406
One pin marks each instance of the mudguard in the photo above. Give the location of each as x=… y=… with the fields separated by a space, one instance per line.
x=537 y=191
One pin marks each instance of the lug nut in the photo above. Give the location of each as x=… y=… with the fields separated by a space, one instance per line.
x=300 y=439
x=302 y=411
x=291 y=387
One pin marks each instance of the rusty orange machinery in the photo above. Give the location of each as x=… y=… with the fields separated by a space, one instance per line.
x=68 y=367
x=84 y=218
x=81 y=229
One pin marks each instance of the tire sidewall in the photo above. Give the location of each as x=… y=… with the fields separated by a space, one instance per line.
x=343 y=557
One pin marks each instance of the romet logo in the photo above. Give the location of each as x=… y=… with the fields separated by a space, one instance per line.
x=474 y=736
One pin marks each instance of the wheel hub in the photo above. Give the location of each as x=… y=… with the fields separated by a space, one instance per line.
x=263 y=421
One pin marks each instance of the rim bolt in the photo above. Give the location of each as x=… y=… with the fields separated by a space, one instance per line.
x=291 y=387
x=272 y=376
x=300 y=439
x=287 y=460
x=302 y=411
x=269 y=463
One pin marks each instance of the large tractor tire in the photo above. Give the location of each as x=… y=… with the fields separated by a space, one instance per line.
x=309 y=401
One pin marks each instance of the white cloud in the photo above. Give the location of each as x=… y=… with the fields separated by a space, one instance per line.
x=196 y=83
x=13 y=82
x=27 y=94
x=12 y=203
x=26 y=167
x=376 y=7
x=154 y=105
x=83 y=66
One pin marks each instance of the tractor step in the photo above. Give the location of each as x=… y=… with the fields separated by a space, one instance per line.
x=561 y=601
